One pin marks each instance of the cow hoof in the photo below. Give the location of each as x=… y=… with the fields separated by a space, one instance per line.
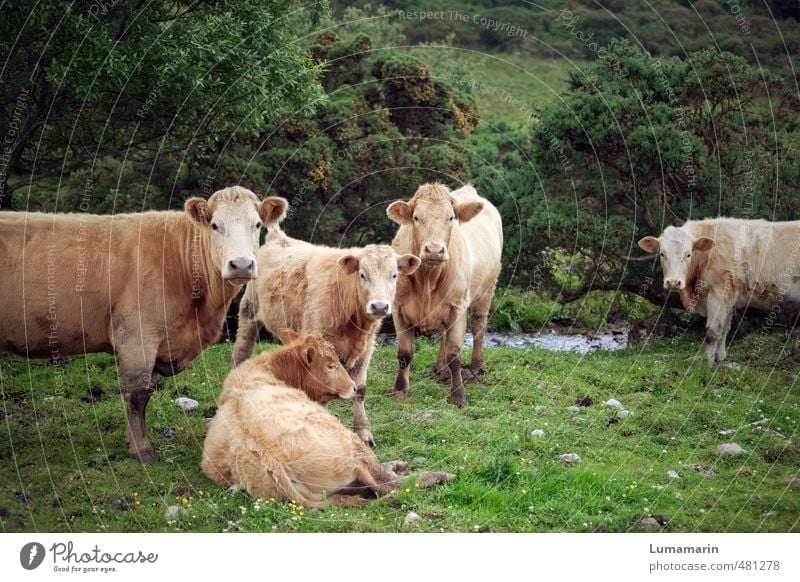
x=366 y=436
x=399 y=394
x=399 y=468
x=459 y=401
x=145 y=457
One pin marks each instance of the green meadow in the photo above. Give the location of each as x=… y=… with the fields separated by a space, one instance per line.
x=66 y=467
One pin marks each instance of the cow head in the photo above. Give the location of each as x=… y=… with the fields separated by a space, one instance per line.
x=433 y=215
x=319 y=372
x=679 y=252
x=234 y=217
x=378 y=267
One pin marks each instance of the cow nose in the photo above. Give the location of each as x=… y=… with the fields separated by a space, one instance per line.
x=673 y=283
x=241 y=268
x=433 y=251
x=379 y=308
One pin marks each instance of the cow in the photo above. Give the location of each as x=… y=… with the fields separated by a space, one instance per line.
x=724 y=264
x=459 y=237
x=340 y=294
x=273 y=437
x=152 y=288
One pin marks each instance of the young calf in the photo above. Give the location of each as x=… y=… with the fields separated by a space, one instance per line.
x=339 y=294
x=272 y=436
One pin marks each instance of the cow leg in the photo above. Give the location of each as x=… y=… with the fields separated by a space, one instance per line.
x=440 y=371
x=454 y=339
x=137 y=389
x=479 y=316
x=247 y=330
x=376 y=478
x=405 y=353
x=358 y=373
x=718 y=320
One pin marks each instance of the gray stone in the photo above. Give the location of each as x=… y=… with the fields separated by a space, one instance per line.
x=623 y=414
x=570 y=458
x=648 y=523
x=411 y=518
x=186 y=404
x=539 y=409
x=612 y=403
x=704 y=471
x=727 y=432
x=176 y=513
x=537 y=433
x=730 y=449
x=578 y=420
x=673 y=474
x=792 y=483
x=573 y=409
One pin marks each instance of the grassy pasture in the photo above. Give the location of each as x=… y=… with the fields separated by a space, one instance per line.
x=65 y=468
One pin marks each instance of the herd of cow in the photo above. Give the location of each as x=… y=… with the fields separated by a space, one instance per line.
x=153 y=288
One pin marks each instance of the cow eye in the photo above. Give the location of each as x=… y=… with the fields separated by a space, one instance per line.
x=258 y=225
x=214 y=226
x=452 y=217
x=394 y=276
x=416 y=219
x=662 y=254
x=688 y=255
x=363 y=276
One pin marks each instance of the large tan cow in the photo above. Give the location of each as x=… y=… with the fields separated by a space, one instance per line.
x=459 y=237
x=340 y=294
x=724 y=264
x=152 y=288
x=272 y=437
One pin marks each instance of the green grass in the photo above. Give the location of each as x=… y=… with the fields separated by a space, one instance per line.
x=506 y=87
x=54 y=477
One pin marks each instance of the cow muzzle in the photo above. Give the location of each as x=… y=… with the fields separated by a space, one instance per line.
x=351 y=393
x=239 y=271
x=434 y=253
x=673 y=284
x=379 y=308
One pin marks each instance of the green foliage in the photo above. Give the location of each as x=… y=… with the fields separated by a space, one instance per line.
x=93 y=81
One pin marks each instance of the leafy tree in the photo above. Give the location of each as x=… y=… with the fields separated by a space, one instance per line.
x=142 y=80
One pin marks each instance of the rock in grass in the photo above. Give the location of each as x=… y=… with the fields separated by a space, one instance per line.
x=792 y=483
x=411 y=517
x=573 y=409
x=732 y=449
x=612 y=403
x=428 y=479
x=727 y=432
x=648 y=523
x=673 y=474
x=539 y=409
x=537 y=433
x=176 y=513
x=623 y=414
x=186 y=404
x=578 y=420
x=570 y=458
x=704 y=471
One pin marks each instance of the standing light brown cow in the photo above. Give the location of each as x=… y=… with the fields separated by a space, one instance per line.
x=724 y=264
x=459 y=237
x=152 y=288
x=341 y=295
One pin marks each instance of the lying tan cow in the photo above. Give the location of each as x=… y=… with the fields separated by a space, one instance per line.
x=459 y=237
x=151 y=288
x=339 y=294
x=724 y=264
x=272 y=437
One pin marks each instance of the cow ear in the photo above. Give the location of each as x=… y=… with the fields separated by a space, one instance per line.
x=401 y=212
x=287 y=335
x=348 y=264
x=272 y=209
x=466 y=211
x=703 y=244
x=199 y=210
x=407 y=264
x=649 y=244
x=309 y=354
